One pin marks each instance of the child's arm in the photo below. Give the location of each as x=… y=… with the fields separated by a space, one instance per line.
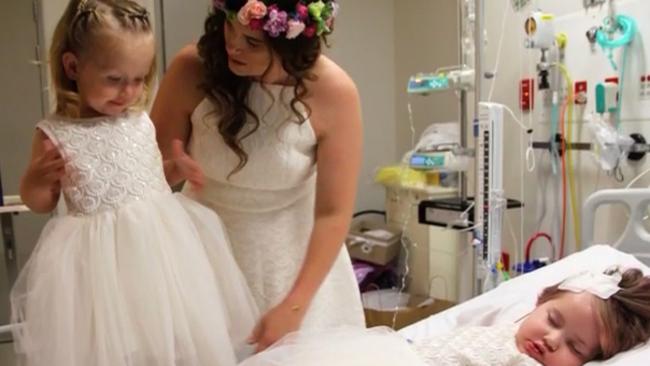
x=41 y=184
x=182 y=167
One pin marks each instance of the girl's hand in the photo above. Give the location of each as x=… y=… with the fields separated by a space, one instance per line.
x=186 y=167
x=46 y=171
x=275 y=324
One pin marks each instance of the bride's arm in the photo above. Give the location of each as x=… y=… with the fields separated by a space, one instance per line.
x=178 y=96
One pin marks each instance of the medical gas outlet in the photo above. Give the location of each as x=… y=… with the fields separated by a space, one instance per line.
x=540 y=34
x=607 y=96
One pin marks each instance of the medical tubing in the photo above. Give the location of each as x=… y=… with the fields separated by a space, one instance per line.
x=635 y=179
x=541 y=198
x=403 y=239
x=554 y=121
x=504 y=18
x=627 y=26
x=564 y=185
x=621 y=80
x=569 y=138
x=534 y=238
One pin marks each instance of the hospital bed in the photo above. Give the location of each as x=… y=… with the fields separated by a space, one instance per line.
x=515 y=298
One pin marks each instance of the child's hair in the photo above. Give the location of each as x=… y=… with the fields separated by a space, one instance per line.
x=625 y=316
x=81 y=21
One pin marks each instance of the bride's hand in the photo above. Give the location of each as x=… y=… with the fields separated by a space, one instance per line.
x=187 y=168
x=275 y=324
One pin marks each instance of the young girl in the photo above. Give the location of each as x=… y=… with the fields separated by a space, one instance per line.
x=587 y=317
x=132 y=274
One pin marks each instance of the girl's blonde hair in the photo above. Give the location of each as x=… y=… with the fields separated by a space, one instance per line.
x=81 y=21
x=625 y=316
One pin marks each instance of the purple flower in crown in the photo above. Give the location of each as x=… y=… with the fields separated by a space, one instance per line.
x=219 y=4
x=276 y=22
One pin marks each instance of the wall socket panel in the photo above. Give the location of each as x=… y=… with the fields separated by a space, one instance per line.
x=590 y=3
x=519 y=4
x=644 y=87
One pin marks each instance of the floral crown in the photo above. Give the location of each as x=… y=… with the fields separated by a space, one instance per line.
x=308 y=20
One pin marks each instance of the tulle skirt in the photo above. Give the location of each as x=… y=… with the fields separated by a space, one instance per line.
x=151 y=283
x=345 y=346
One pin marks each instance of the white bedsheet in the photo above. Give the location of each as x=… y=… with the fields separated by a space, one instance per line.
x=516 y=298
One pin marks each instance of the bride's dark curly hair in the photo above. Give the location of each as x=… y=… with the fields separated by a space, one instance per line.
x=229 y=92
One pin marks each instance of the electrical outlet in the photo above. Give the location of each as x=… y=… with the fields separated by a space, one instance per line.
x=519 y=4
x=527 y=94
x=580 y=92
x=590 y=3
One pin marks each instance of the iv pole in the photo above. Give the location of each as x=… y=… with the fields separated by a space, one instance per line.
x=479 y=11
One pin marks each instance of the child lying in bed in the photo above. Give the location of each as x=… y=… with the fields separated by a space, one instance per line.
x=587 y=317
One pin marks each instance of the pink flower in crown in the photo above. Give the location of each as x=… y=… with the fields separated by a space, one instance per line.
x=309 y=31
x=276 y=22
x=302 y=11
x=295 y=27
x=219 y=4
x=253 y=9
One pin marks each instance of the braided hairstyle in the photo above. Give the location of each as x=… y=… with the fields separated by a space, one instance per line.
x=81 y=22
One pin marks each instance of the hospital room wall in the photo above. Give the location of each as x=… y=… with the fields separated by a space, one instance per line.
x=380 y=43
x=363 y=44
x=426 y=34
x=517 y=62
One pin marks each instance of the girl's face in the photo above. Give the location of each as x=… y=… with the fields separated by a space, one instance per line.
x=111 y=75
x=248 y=53
x=561 y=332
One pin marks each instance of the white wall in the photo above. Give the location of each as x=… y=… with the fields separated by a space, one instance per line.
x=364 y=44
x=380 y=43
x=517 y=62
x=426 y=38
x=183 y=23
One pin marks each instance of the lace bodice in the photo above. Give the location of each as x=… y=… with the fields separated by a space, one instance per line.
x=268 y=206
x=109 y=160
x=474 y=346
x=281 y=152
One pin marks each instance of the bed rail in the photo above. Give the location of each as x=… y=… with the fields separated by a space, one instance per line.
x=635 y=239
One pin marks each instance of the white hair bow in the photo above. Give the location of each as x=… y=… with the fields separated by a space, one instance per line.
x=598 y=284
